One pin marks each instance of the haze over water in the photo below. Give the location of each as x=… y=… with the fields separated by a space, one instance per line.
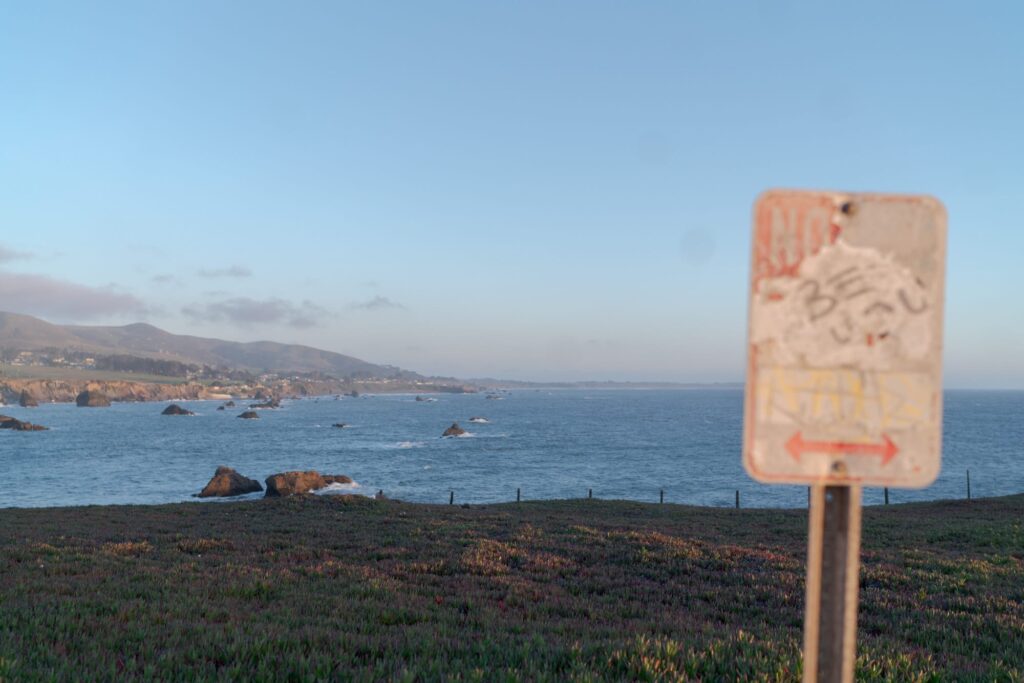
x=624 y=444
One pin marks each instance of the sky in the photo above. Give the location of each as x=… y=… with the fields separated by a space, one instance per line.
x=529 y=190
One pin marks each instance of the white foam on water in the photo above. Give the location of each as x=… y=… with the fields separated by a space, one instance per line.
x=406 y=444
x=338 y=487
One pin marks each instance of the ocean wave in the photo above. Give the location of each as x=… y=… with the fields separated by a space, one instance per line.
x=338 y=487
x=480 y=420
x=407 y=444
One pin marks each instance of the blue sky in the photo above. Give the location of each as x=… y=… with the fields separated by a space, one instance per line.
x=523 y=190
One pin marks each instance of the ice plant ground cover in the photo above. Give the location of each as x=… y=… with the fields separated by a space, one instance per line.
x=339 y=587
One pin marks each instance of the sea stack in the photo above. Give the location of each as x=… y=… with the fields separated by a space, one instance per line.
x=227 y=482
x=175 y=409
x=92 y=399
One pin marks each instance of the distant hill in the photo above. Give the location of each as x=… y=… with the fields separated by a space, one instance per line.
x=26 y=333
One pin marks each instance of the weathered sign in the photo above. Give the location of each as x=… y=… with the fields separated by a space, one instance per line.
x=845 y=339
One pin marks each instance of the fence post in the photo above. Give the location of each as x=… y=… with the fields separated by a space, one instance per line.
x=661 y=498
x=517 y=495
x=737 y=499
x=968 y=484
x=886 y=495
x=590 y=493
x=451 y=498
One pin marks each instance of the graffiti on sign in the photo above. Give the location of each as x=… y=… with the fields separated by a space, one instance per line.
x=845 y=339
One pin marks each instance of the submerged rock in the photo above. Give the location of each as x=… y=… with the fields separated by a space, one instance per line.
x=92 y=399
x=339 y=425
x=227 y=482
x=229 y=404
x=220 y=407
x=294 y=483
x=175 y=409
x=454 y=430
x=249 y=415
x=27 y=400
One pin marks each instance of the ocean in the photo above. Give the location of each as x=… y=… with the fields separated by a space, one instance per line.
x=621 y=444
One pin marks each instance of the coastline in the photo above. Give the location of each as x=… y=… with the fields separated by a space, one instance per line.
x=177 y=389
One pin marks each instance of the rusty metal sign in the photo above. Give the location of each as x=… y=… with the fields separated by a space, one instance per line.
x=845 y=339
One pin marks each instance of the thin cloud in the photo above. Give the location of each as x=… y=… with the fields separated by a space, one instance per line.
x=52 y=298
x=12 y=255
x=246 y=312
x=165 y=278
x=230 y=271
x=377 y=303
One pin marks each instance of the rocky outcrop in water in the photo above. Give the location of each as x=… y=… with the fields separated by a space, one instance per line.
x=339 y=425
x=19 y=426
x=227 y=482
x=175 y=409
x=294 y=483
x=454 y=430
x=92 y=399
x=249 y=415
x=271 y=403
x=27 y=400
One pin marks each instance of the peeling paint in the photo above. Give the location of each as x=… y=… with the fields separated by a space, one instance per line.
x=845 y=339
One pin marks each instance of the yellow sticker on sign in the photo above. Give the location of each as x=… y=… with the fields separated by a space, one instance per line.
x=844 y=373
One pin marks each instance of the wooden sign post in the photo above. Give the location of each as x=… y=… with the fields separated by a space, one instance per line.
x=844 y=386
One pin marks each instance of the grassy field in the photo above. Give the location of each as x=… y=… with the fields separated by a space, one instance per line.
x=347 y=588
x=66 y=374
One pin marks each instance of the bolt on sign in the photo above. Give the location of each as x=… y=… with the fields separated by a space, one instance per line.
x=844 y=379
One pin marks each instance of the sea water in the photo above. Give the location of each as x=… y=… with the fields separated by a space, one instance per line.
x=623 y=444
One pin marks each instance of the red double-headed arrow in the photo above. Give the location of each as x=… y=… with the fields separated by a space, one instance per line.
x=798 y=446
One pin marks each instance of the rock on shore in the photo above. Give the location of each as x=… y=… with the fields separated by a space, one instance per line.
x=227 y=482
x=92 y=399
x=27 y=400
x=293 y=483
